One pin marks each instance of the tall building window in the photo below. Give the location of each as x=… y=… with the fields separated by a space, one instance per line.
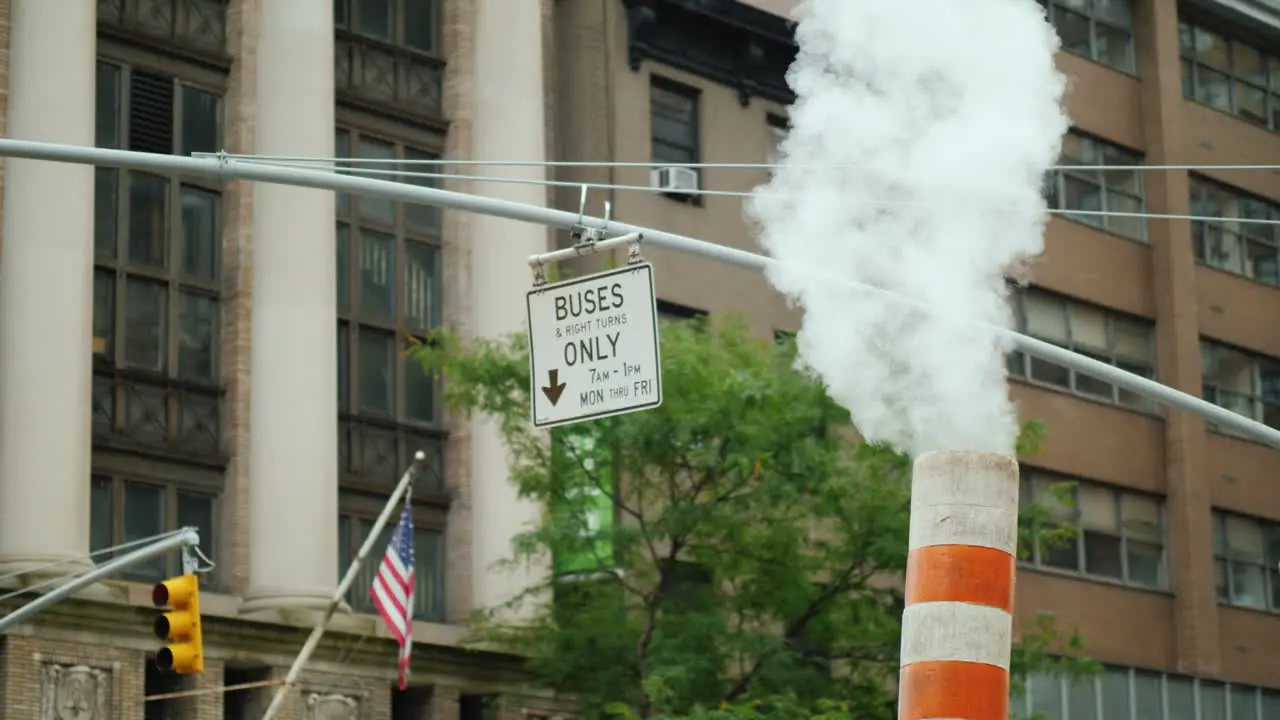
x=428 y=552
x=388 y=274
x=1229 y=75
x=388 y=260
x=387 y=53
x=157 y=385
x=1100 y=192
x=126 y=510
x=1104 y=335
x=674 y=123
x=1101 y=30
x=1242 y=382
x=1121 y=693
x=1247 y=555
x=1121 y=533
x=194 y=24
x=1236 y=243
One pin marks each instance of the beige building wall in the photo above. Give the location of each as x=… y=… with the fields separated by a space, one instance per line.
x=571 y=81
x=1126 y=94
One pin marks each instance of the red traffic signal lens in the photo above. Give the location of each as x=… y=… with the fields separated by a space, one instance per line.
x=160 y=595
x=164 y=659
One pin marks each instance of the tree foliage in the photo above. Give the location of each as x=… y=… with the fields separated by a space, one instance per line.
x=751 y=561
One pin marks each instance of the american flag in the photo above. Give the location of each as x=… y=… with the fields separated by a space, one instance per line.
x=392 y=590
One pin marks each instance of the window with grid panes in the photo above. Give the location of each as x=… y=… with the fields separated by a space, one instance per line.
x=387 y=53
x=1230 y=75
x=157 y=288
x=1247 y=557
x=125 y=510
x=1238 y=243
x=1101 y=30
x=388 y=268
x=157 y=280
x=428 y=557
x=1099 y=192
x=194 y=24
x=1121 y=693
x=1104 y=335
x=1121 y=534
x=1244 y=383
x=674 y=125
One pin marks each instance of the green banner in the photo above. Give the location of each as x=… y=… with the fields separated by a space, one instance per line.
x=587 y=508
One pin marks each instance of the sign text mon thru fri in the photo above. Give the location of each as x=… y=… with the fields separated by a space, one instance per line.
x=593 y=346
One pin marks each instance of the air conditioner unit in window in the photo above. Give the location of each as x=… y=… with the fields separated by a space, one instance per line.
x=680 y=182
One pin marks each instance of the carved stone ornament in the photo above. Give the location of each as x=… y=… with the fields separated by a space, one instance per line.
x=331 y=707
x=75 y=692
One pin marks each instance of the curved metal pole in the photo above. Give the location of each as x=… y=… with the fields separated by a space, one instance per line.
x=325 y=179
x=187 y=537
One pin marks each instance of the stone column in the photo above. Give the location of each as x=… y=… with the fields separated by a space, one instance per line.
x=46 y=289
x=1188 y=507
x=293 y=497
x=509 y=123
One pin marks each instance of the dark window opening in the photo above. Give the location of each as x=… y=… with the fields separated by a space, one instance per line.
x=668 y=310
x=245 y=703
x=686 y=584
x=674 y=131
x=476 y=706
x=156 y=682
x=412 y=703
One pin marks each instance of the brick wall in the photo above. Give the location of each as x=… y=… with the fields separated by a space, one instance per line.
x=237 y=253
x=457 y=30
x=106 y=647
x=34 y=668
x=5 y=15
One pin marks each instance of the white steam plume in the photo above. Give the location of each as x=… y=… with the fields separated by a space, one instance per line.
x=949 y=113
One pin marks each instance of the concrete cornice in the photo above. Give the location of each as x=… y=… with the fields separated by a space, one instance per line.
x=123 y=620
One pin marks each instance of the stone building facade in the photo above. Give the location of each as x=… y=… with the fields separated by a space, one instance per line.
x=193 y=378
x=171 y=341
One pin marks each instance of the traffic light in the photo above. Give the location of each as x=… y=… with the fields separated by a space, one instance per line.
x=181 y=626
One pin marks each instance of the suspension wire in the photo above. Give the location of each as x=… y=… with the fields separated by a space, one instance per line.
x=56 y=579
x=741 y=194
x=269 y=159
x=213 y=690
x=66 y=561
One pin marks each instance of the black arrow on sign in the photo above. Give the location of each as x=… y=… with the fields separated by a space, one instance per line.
x=553 y=390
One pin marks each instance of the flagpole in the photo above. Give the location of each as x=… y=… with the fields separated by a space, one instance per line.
x=291 y=679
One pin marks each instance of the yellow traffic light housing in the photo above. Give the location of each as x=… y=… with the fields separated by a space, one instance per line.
x=181 y=626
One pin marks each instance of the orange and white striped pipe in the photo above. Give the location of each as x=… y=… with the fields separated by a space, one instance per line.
x=957 y=628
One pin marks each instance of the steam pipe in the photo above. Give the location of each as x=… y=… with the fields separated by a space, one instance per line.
x=957 y=624
x=224 y=168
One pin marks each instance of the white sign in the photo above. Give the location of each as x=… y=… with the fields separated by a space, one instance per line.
x=593 y=347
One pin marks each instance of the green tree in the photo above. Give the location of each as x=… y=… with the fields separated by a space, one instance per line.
x=730 y=552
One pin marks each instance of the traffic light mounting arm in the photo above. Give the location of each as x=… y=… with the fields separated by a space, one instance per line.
x=187 y=538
